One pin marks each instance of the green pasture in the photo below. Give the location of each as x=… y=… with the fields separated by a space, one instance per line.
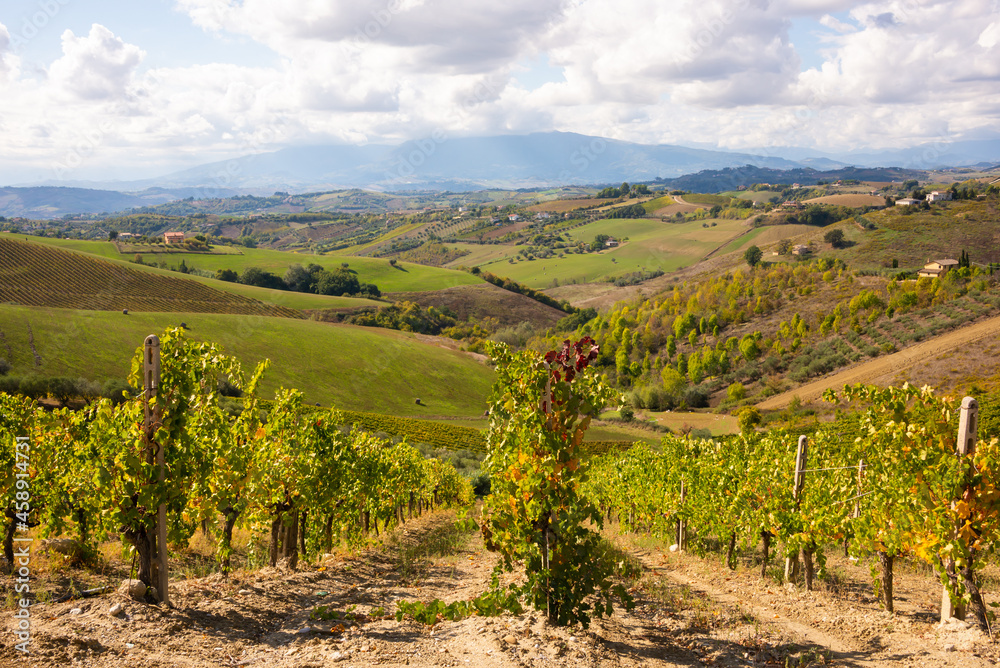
x=757 y=195
x=356 y=368
x=658 y=203
x=651 y=245
x=703 y=198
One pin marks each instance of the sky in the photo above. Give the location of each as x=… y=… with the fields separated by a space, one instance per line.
x=120 y=90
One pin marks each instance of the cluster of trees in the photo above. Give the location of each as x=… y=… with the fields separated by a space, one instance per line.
x=410 y=317
x=684 y=330
x=624 y=191
x=630 y=211
x=312 y=278
x=61 y=388
x=514 y=286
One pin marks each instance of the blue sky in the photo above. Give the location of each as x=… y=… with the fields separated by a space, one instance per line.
x=109 y=89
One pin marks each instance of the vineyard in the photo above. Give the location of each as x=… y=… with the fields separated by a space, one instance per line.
x=899 y=475
x=443 y=435
x=37 y=275
x=278 y=469
x=897 y=478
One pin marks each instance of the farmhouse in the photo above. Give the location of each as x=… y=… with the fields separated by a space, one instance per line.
x=800 y=249
x=513 y=217
x=542 y=216
x=937 y=268
x=939 y=196
x=907 y=201
x=610 y=243
x=173 y=237
x=125 y=235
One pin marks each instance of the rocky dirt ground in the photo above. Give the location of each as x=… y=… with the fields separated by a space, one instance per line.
x=689 y=611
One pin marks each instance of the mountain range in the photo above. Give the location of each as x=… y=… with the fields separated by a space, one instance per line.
x=461 y=164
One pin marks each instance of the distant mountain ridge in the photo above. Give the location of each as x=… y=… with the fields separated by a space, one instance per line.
x=462 y=164
x=731 y=178
x=47 y=202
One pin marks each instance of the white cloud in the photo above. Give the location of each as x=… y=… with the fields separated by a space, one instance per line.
x=8 y=61
x=445 y=35
x=390 y=70
x=835 y=24
x=96 y=67
x=990 y=37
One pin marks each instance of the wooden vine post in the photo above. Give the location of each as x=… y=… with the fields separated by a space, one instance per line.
x=968 y=425
x=801 y=454
x=151 y=382
x=682 y=524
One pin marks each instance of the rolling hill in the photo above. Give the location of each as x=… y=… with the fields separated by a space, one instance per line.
x=348 y=367
x=39 y=275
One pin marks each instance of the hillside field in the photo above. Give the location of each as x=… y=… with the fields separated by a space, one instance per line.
x=847 y=199
x=912 y=238
x=94 y=282
x=651 y=244
x=349 y=367
x=769 y=234
x=407 y=277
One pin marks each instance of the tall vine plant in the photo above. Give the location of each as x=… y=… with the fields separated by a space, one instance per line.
x=537 y=514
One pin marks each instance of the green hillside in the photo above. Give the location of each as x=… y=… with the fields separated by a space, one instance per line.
x=354 y=368
x=39 y=275
x=405 y=277
x=652 y=244
x=280 y=298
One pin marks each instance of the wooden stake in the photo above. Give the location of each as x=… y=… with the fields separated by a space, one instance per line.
x=681 y=524
x=968 y=424
x=151 y=382
x=801 y=454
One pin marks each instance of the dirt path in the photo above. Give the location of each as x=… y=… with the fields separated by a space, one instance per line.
x=689 y=612
x=883 y=370
x=840 y=622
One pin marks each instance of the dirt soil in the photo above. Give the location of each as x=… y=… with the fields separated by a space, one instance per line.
x=689 y=612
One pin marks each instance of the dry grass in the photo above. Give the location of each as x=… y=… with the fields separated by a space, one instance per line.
x=562 y=205
x=848 y=199
x=482 y=301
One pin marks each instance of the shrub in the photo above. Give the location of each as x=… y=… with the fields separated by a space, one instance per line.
x=481 y=484
x=10 y=384
x=34 y=386
x=736 y=392
x=115 y=389
x=696 y=397
x=227 y=389
x=748 y=418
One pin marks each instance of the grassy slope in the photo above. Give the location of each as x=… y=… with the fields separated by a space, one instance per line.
x=702 y=198
x=652 y=245
x=295 y=300
x=407 y=278
x=769 y=234
x=351 y=367
x=480 y=254
x=658 y=203
x=942 y=232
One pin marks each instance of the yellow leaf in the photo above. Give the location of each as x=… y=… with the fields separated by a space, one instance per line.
x=962 y=508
